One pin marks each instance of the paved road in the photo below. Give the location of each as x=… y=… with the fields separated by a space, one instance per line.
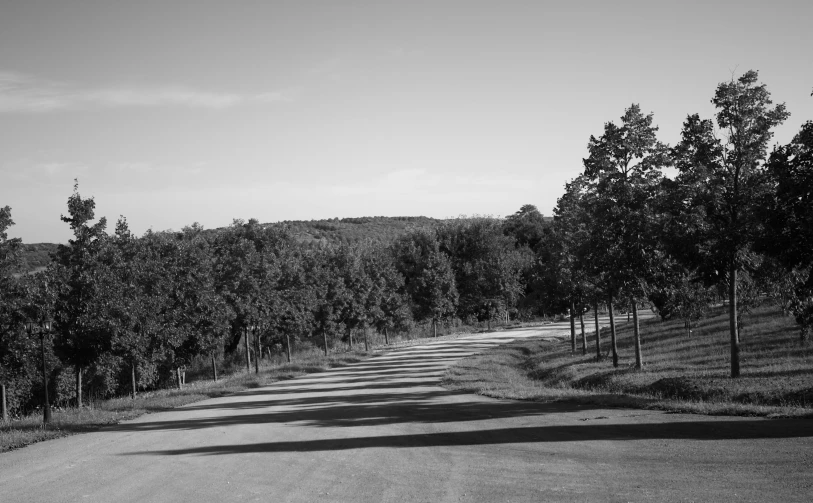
x=383 y=431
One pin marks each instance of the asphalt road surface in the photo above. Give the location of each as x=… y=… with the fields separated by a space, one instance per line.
x=384 y=431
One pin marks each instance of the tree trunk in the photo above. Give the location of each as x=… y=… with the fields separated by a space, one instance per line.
x=79 y=386
x=214 y=368
x=366 y=344
x=637 y=334
x=732 y=315
x=46 y=406
x=598 y=332
x=572 y=329
x=350 y=338
x=324 y=339
x=386 y=337
x=257 y=354
x=288 y=346
x=613 y=341
x=435 y=327
x=133 y=379
x=178 y=377
x=584 y=336
x=248 y=354
x=3 y=406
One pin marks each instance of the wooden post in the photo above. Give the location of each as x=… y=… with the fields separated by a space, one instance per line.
x=133 y=378
x=288 y=346
x=79 y=386
x=584 y=336
x=366 y=344
x=248 y=355
x=256 y=352
x=46 y=408
x=638 y=360
x=386 y=337
x=324 y=338
x=3 y=407
x=178 y=377
x=214 y=367
x=598 y=332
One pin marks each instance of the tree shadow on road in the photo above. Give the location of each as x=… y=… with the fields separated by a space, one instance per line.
x=688 y=430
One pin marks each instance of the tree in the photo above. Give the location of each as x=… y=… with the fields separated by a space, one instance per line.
x=789 y=229
x=488 y=266
x=10 y=295
x=327 y=293
x=82 y=301
x=429 y=278
x=195 y=311
x=624 y=170
x=527 y=226
x=721 y=183
x=569 y=255
x=133 y=315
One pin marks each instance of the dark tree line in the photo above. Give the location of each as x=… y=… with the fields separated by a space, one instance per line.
x=130 y=313
x=734 y=223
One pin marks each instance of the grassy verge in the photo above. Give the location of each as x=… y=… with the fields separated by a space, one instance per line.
x=28 y=430
x=683 y=372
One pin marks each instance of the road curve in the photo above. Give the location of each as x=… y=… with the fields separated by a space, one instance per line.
x=384 y=431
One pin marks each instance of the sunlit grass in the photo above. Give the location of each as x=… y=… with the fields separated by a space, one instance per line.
x=682 y=371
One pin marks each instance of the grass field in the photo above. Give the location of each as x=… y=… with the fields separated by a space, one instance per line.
x=24 y=431
x=683 y=371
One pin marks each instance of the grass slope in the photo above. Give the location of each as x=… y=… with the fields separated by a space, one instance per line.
x=682 y=372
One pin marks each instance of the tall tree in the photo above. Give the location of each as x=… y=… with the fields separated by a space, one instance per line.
x=10 y=294
x=81 y=333
x=721 y=183
x=624 y=168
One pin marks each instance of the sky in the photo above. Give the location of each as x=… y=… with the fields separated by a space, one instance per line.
x=175 y=112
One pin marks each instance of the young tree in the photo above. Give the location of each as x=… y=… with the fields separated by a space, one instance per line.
x=82 y=301
x=624 y=166
x=721 y=183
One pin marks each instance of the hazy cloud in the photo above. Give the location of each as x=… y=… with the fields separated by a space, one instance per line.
x=23 y=93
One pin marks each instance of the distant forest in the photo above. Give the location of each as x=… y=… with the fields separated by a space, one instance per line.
x=312 y=233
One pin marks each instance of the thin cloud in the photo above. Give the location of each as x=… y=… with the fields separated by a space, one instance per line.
x=24 y=94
